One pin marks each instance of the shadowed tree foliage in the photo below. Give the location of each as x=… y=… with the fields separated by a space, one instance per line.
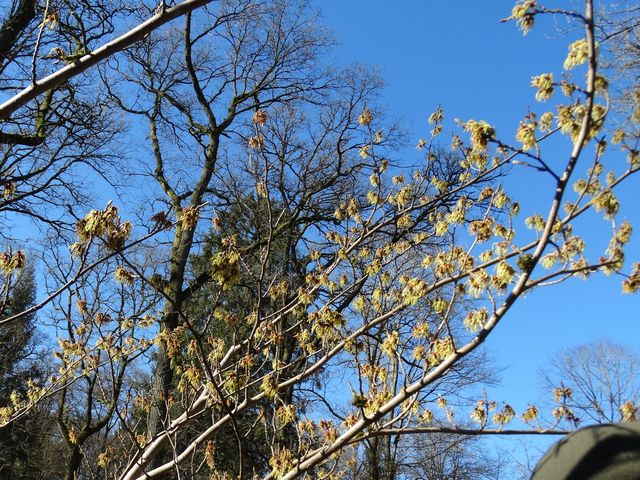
x=28 y=447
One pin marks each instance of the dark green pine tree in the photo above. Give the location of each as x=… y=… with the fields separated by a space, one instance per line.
x=28 y=445
x=246 y=225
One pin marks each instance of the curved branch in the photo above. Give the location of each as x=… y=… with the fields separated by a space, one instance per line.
x=107 y=50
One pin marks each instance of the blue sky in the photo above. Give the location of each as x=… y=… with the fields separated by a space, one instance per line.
x=458 y=54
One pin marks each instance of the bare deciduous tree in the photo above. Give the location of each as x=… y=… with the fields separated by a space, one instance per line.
x=599 y=381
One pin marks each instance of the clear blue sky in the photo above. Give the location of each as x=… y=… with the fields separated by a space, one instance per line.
x=456 y=53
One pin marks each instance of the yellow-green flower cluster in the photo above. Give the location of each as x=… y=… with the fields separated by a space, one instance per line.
x=476 y=319
x=390 y=344
x=218 y=349
x=481 y=229
x=189 y=217
x=124 y=276
x=606 y=202
x=546 y=122
x=601 y=84
x=281 y=463
x=269 y=386
x=481 y=132
x=440 y=184
x=478 y=282
x=256 y=142
x=439 y=305
x=366 y=117
x=326 y=324
x=504 y=416
x=530 y=414
x=535 y=222
x=286 y=414
x=414 y=290
x=523 y=12
x=479 y=413
x=562 y=394
x=628 y=411
x=8 y=190
x=190 y=378
x=260 y=117
x=526 y=135
x=103 y=223
x=504 y=274
x=11 y=261
x=225 y=268
x=421 y=330
x=437 y=116
x=624 y=233
x=631 y=284
x=544 y=84
x=440 y=350
x=578 y=54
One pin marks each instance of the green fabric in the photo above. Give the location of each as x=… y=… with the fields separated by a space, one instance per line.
x=603 y=452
